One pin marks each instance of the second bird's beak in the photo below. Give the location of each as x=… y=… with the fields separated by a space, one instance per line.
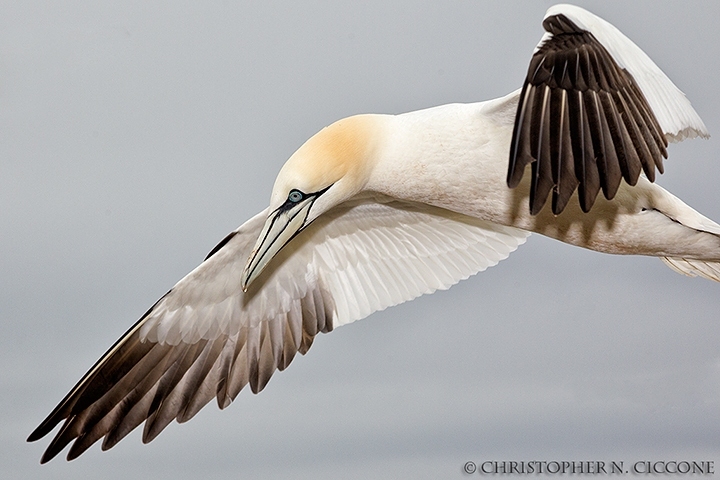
x=280 y=227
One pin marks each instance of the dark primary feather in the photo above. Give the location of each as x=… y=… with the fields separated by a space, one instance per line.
x=582 y=123
x=143 y=381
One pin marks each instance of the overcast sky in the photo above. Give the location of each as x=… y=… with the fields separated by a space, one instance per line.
x=135 y=135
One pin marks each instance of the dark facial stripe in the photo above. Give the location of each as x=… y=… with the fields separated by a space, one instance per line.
x=276 y=216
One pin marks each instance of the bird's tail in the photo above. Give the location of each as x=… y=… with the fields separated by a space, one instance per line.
x=694 y=268
x=685 y=215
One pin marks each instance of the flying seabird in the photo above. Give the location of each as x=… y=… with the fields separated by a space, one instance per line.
x=375 y=210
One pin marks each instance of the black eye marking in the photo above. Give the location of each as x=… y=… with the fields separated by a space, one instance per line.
x=295 y=196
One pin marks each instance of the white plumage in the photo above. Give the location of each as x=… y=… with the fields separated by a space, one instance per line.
x=376 y=210
x=383 y=251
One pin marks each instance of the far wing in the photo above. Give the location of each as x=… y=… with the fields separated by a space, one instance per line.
x=594 y=109
x=206 y=338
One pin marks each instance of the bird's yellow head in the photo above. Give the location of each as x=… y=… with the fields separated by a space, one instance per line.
x=331 y=167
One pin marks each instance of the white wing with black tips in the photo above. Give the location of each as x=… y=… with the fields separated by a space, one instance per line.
x=594 y=109
x=206 y=338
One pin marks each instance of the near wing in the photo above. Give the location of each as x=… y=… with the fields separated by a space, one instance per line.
x=594 y=109
x=206 y=338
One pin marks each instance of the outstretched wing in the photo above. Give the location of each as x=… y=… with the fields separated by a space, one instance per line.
x=206 y=338
x=594 y=109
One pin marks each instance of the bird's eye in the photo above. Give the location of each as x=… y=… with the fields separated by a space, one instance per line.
x=295 y=196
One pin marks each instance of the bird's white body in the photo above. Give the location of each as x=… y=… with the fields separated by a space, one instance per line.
x=454 y=157
x=372 y=211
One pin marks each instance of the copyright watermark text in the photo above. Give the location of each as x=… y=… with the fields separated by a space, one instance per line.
x=492 y=467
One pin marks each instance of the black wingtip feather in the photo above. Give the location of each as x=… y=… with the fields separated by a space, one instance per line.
x=612 y=133
x=520 y=144
x=144 y=381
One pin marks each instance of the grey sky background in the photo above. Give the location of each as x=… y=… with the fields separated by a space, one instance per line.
x=135 y=135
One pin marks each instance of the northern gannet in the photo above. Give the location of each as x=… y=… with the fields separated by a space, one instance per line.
x=375 y=210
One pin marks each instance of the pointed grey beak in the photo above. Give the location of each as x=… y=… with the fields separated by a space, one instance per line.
x=280 y=227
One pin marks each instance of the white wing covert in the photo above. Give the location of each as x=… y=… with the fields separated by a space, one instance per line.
x=207 y=338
